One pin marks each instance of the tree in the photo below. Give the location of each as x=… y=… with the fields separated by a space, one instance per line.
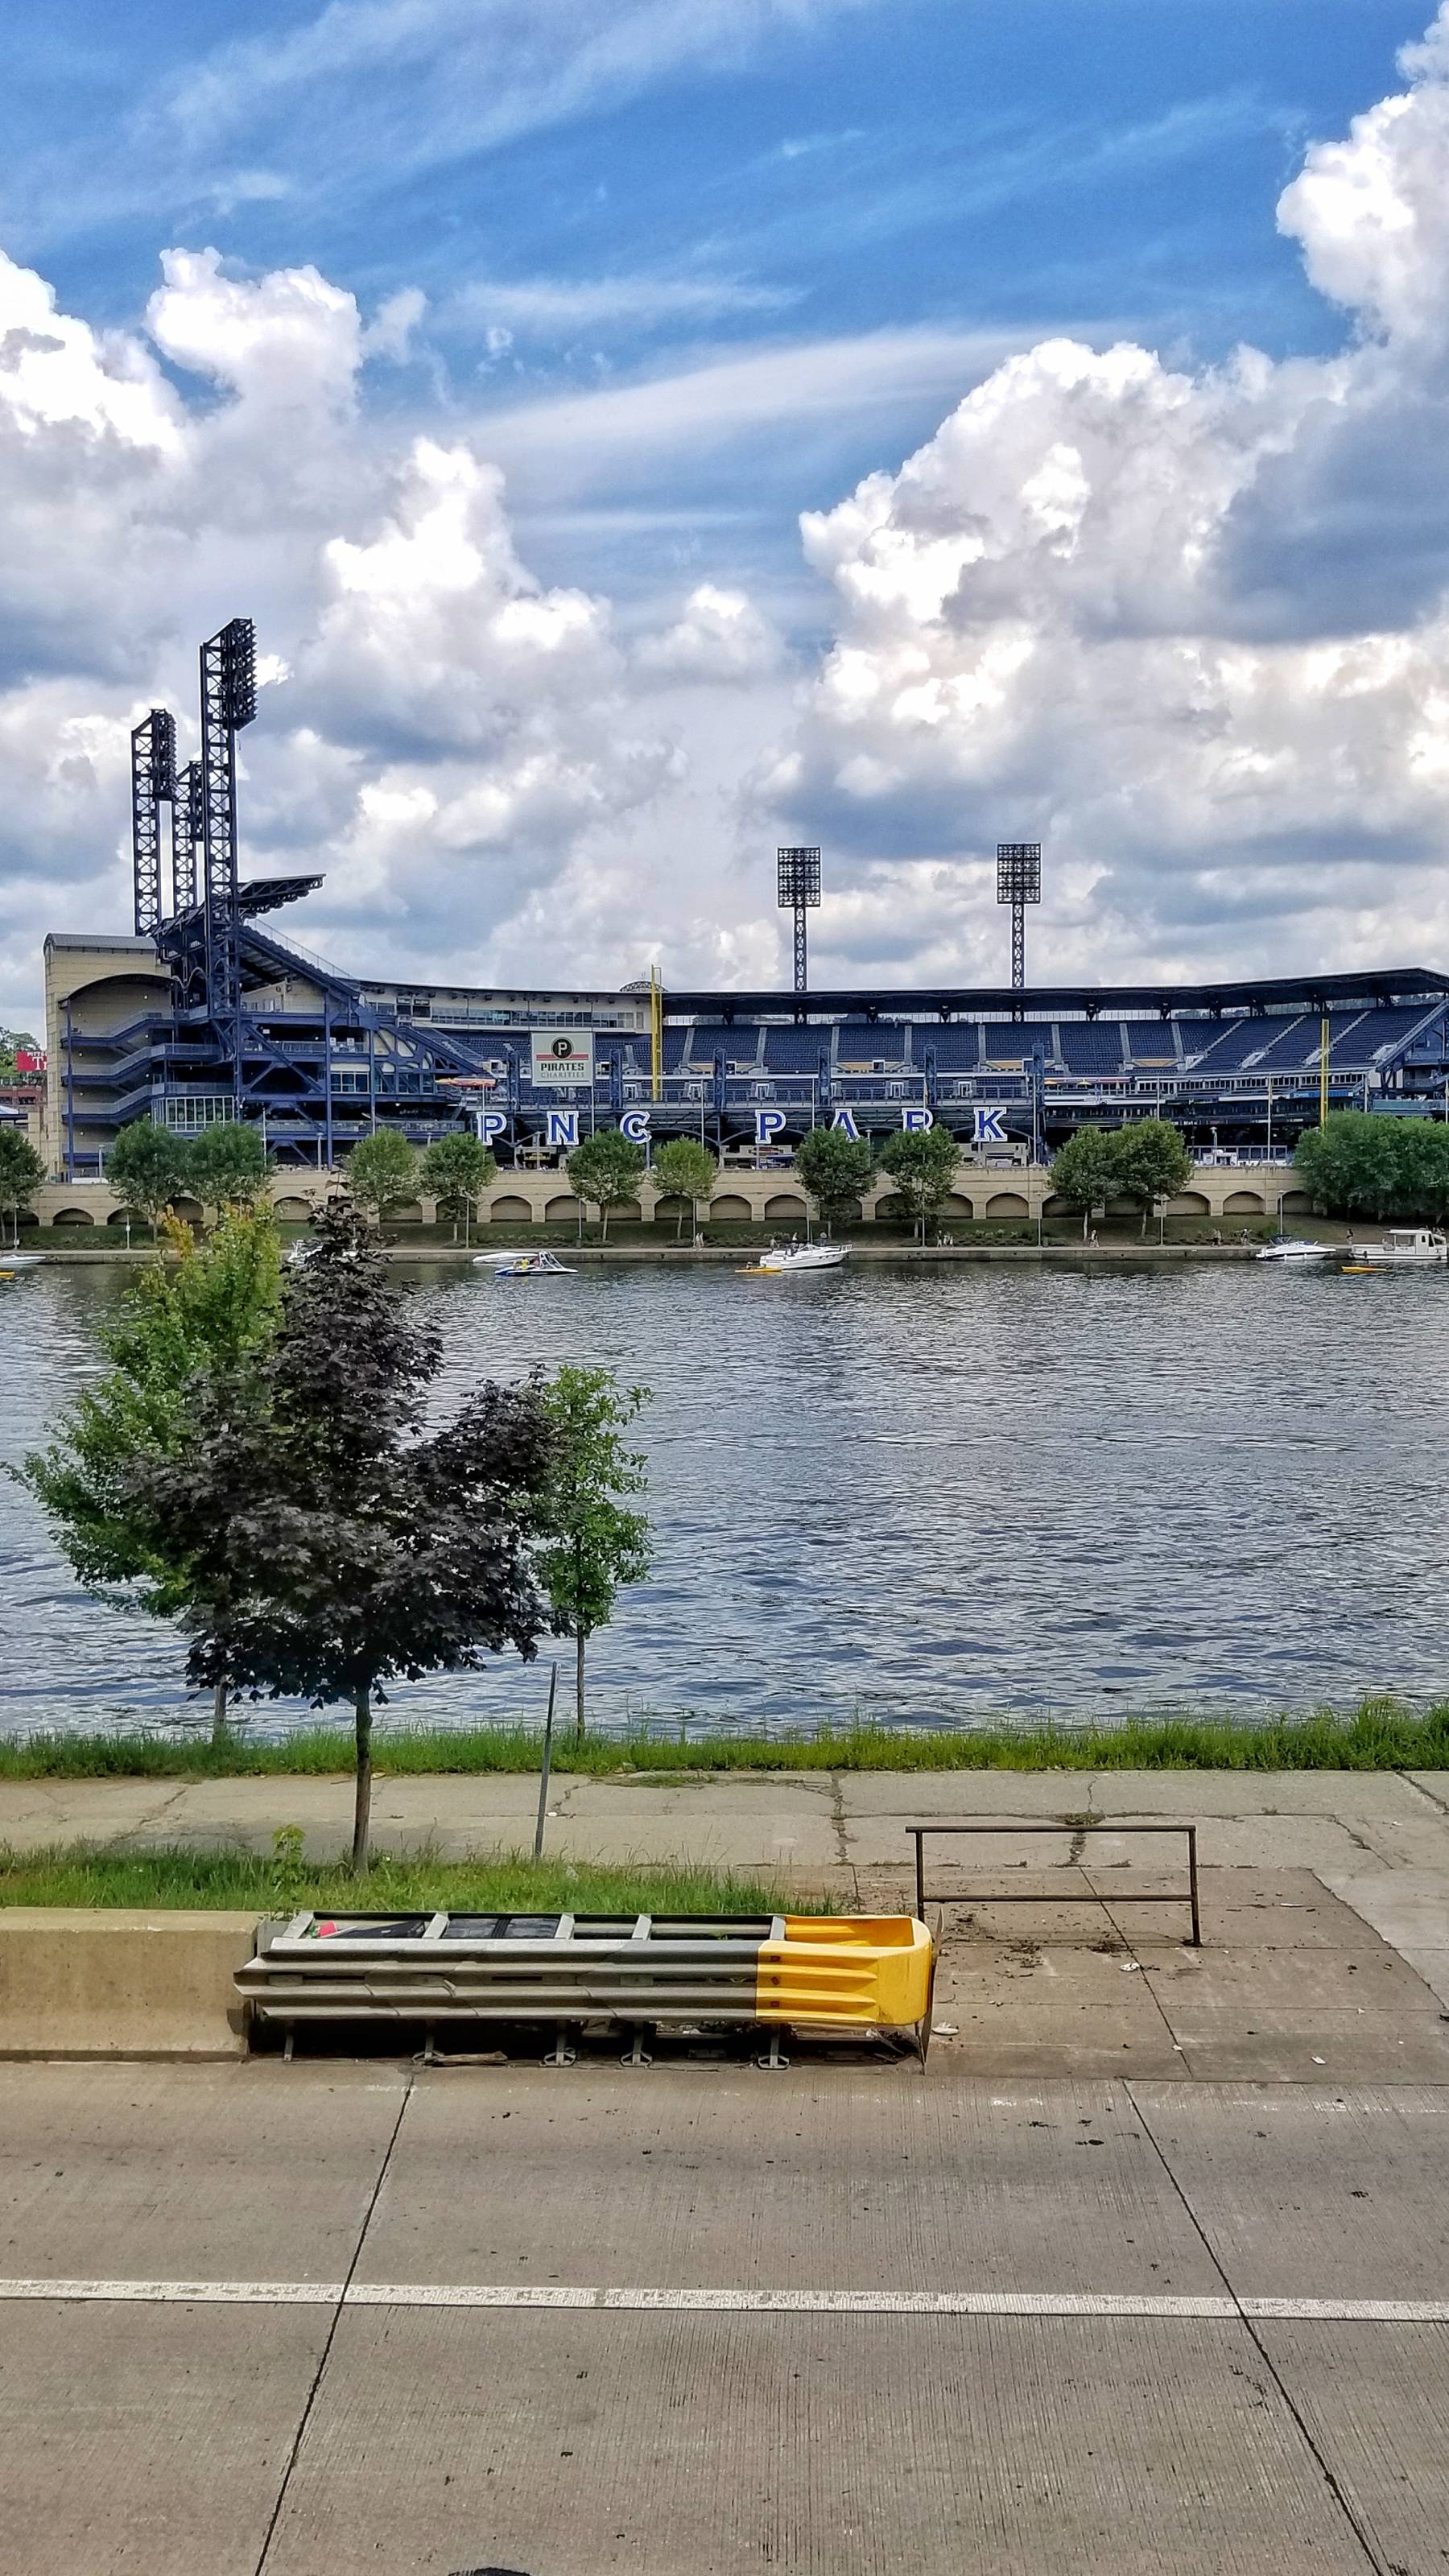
x=328 y=1544
x=13 y=1043
x=226 y=1165
x=147 y=1169
x=382 y=1172
x=922 y=1162
x=685 y=1170
x=1084 y=1171
x=834 y=1168
x=455 y=1171
x=1363 y=1163
x=21 y=1173
x=1151 y=1162
x=211 y=1312
x=590 y=1544
x=608 y=1169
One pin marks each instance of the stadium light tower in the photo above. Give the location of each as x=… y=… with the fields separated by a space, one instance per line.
x=799 y=892
x=1018 y=882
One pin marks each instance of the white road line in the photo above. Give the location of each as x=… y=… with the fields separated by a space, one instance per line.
x=1159 y=2305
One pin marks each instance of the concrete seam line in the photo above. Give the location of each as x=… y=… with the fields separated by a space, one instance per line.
x=1127 y=2305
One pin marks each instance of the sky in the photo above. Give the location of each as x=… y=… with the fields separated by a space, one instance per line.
x=647 y=431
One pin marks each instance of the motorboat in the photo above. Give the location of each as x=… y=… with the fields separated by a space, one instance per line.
x=11 y=1262
x=522 y=1265
x=1405 y=1247
x=786 y=1259
x=1291 y=1252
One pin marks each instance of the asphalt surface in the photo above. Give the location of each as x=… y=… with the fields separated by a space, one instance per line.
x=321 y=2318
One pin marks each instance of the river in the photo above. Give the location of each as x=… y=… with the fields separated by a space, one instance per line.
x=924 y=1495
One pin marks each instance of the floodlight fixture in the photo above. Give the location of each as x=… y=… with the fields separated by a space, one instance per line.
x=799 y=892
x=1018 y=883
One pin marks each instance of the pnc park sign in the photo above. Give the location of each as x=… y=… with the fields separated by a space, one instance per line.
x=564 y=1059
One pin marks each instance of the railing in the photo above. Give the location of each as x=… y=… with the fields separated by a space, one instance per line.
x=1045 y=1825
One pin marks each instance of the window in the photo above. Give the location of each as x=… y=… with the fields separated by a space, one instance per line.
x=187 y=1116
x=348 y=1079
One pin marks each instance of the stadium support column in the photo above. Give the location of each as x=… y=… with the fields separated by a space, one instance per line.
x=187 y=833
x=228 y=701
x=153 y=784
x=1018 y=883
x=799 y=892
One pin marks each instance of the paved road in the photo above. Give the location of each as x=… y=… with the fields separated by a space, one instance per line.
x=317 y=2320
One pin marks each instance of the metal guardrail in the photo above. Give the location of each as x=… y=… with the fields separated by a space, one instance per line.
x=1187 y=1896
x=636 y=1972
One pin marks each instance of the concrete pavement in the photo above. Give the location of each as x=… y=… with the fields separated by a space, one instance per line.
x=314 y=2320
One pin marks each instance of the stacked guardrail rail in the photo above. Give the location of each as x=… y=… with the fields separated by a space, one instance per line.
x=822 y=1972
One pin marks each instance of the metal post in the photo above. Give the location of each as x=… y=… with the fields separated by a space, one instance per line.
x=798 y=891
x=1018 y=948
x=547 y=1766
x=920 y=1873
x=1324 y=1039
x=1196 y=1942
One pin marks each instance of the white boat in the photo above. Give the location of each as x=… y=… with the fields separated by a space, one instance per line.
x=10 y=1262
x=1405 y=1247
x=1291 y=1253
x=788 y=1258
x=522 y=1265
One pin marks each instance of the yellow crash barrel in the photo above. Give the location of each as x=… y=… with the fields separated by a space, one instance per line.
x=851 y=1969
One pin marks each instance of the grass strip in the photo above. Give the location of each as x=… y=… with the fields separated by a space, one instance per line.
x=84 y=1874
x=1381 y=1735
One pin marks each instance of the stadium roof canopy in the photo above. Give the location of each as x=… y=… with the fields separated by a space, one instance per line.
x=1047 y=1002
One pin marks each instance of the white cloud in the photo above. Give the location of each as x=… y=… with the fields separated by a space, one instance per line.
x=551 y=307
x=721 y=636
x=1190 y=629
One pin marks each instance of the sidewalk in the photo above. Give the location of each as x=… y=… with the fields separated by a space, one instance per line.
x=1325 y=1894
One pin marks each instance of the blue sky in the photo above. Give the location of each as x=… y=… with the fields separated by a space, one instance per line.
x=930 y=167
x=682 y=270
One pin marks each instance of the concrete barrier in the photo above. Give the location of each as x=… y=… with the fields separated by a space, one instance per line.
x=82 y=1983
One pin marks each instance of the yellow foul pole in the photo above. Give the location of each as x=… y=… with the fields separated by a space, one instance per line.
x=1325 y=1034
x=656 y=1032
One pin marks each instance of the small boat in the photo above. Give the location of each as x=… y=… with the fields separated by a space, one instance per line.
x=522 y=1265
x=12 y=1262
x=1290 y=1252
x=1405 y=1247
x=784 y=1260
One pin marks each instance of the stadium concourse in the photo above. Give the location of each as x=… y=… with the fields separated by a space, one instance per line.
x=320 y=1058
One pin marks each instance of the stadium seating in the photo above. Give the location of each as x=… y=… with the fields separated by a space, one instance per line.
x=796 y=1050
x=865 y=1043
x=1010 y=1042
x=1091 y=1046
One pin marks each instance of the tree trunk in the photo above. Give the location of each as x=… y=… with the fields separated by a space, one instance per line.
x=362 y=1803
x=679 y=1227
x=603 y=1220
x=579 y=1686
x=1086 y=1221
x=220 y=1730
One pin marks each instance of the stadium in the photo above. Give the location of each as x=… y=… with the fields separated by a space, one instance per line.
x=205 y=1011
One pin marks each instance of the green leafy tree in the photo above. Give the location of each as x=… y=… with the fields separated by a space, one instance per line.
x=213 y=1311
x=590 y=1541
x=606 y=1169
x=326 y=1543
x=226 y=1165
x=147 y=1169
x=382 y=1173
x=835 y=1169
x=923 y=1163
x=1084 y=1171
x=21 y=1173
x=11 y=1042
x=1152 y=1162
x=456 y=1171
x=684 y=1170
x=1364 y=1163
